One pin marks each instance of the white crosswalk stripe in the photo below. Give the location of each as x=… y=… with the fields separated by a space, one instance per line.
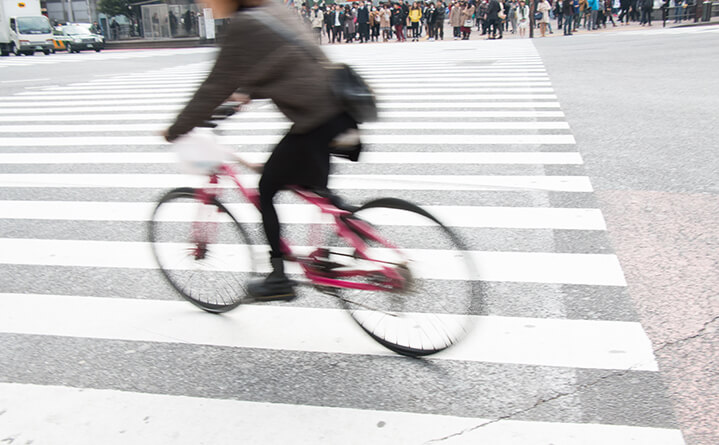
x=91 y=57
x=477 y=137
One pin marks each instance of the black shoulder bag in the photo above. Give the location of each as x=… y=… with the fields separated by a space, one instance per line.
x=347 y=86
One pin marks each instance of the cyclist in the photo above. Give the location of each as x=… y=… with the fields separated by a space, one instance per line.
x=256 y=61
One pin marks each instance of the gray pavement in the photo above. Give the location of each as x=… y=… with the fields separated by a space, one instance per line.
x=643 y=109
x=656 y=195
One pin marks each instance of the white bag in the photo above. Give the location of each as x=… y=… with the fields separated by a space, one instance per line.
x=200 y=153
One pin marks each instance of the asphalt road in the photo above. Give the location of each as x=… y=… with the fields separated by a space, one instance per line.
x=640 y=107
x=643 y=107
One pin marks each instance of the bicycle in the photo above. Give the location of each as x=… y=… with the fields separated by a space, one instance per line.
x=400 y=297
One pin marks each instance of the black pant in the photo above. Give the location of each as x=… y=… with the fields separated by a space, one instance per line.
x=495 y=25
x=646 y=16
x=624 y=14
x=439 y=30
x=336 y=34
x=364 y=32
x=298 y=159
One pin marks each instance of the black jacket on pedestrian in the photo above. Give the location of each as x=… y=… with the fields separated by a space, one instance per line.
x=568 y=7
x=431 y=16
x=397 y=17
x=493 y=10
x=363 y=15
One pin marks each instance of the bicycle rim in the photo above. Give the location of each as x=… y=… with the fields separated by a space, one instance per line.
x=434 y=309
x=202 y=251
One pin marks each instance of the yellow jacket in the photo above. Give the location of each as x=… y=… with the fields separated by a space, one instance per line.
x=415 y=15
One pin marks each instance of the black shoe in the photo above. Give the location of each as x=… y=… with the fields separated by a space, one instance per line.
x=276 y=286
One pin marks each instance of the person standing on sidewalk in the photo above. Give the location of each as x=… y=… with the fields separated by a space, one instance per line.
x=567 y=15
x=363 y=22
x=608 y=13
x=647 y=9
x=385 y=21
x=512 y=15
x=455 y=19
x=481 y=17
x=431 y=21
x=679 y=6
x=634 y=10
x=523 y=17
x=593 y=8
x=338 y=20
x=467 y=12
x=577 y=15
x=624 y=5
x=558 y=13
x=665 y=13
x=415 y=15
x=440 y=12
x=398 y=23
x=317 y=18
x=374 y=24
x=543 y=8
x=493 y=22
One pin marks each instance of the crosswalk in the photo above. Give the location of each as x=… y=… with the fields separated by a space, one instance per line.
x=98 y=349
x=93 y=57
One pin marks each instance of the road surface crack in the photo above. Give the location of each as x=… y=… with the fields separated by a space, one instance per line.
x=698 y=334
x=575 y=391
x=536 y=405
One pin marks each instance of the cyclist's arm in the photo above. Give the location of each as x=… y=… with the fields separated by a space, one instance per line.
x=221 y=83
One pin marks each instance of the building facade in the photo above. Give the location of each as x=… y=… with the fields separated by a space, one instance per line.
x=148 y=19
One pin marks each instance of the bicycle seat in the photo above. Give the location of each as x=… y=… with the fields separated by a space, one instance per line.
x=336 y=201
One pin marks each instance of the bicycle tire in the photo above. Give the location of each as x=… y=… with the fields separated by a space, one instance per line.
x=170 y=232
x=430 y=319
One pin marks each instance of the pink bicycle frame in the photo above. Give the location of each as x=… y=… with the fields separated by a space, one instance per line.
x=353 y=230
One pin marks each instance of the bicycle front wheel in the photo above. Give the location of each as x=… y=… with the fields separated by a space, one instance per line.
x=201 y=249
x=434 y=308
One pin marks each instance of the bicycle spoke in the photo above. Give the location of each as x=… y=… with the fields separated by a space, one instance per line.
x=423 y=315
x=201 y=273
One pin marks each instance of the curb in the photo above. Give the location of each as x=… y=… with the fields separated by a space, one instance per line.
x=159 y=44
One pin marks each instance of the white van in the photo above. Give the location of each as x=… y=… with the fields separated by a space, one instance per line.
x=23 y=29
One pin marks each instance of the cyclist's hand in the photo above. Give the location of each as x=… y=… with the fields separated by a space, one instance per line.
x=239 y=98
x=166 y=135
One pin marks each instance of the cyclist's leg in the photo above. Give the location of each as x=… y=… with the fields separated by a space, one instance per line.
x=282 y=168
x=298 y=159
x=293 y=161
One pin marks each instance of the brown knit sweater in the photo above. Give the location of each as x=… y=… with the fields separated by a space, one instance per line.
x=257 y=61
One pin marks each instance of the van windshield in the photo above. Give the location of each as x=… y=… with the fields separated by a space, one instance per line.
x=33 y=25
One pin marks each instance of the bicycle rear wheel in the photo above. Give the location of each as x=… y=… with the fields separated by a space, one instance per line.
x=202 y=251
x=433 y=309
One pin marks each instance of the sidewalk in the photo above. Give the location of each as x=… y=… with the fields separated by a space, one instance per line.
x=633 y=26
x=185 y=42
x=476 y=35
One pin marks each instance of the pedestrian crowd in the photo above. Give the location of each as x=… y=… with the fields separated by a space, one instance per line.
x=363 y=21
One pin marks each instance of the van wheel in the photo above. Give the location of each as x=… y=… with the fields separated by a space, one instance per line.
x=46 y=52
x=97 y=50
x=13 y=49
